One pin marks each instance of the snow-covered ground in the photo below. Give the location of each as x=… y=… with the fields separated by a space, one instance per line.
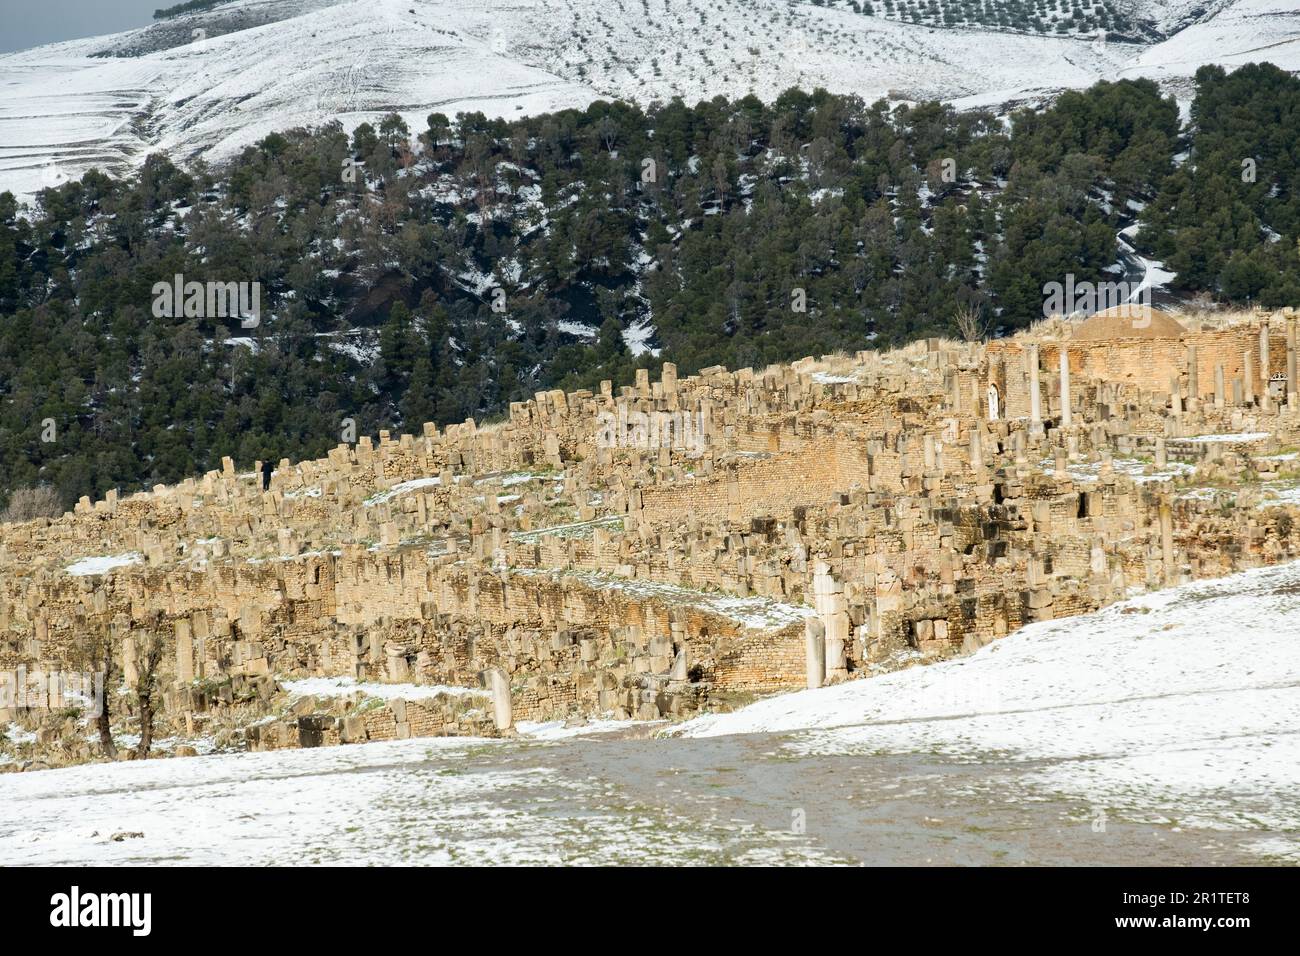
x=1172 y=721
x=429 y=801
x=561 y=730
x=1180 y=707
x=215 y=82
x=1246 y=31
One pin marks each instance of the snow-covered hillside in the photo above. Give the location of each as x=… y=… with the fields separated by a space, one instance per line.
x=1183 y=704
x=1248 y=31
x=214 y=82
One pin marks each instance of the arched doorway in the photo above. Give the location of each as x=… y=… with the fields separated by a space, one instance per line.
x=995 y=402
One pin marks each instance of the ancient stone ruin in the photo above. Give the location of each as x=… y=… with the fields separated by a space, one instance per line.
x=654 y=550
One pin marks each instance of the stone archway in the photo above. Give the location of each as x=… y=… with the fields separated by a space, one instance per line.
x=995 y=402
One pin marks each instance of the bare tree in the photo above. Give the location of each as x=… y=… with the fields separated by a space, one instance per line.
x=93 y=651
x=28 y=503
x=721 y=178
x=149 y=653
x=970 y=323
x=607 y=129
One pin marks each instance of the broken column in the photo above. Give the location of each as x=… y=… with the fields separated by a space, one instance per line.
x=1167 y=540
x=499 y=686
x=832 y=610
x=681 y=667
x=889 y=603
x=815 y=652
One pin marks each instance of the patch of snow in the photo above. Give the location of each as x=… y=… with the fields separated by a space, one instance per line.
x=822 y=378
x=400 y=489
x=577 y=329
x=103 y=564
x=637 y=338
x=16 y=735
x=1134 y=468
x=1230 y=437
x=347 y=687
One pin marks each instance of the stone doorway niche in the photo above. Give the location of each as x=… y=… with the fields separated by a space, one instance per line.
x=995 y=402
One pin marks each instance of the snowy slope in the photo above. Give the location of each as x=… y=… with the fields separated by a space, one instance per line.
x=1169 y=16
x=352 y=61
x=1183 y=703
x=1246 y=32
x=215 y=82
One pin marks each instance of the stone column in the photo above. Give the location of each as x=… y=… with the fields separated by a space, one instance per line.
x=815 y=652
x=681 y=667
x=1248 y=377
x=1167 y=540
x=499 y=685
x=833 y=612
x=184 y=651
x=889 y=600
x=1265 y=369
x=1193 y=378
x=1290 y=364
x=1065 y=386
x=1219 y=395
x=1035 y=399
x=976 y=448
